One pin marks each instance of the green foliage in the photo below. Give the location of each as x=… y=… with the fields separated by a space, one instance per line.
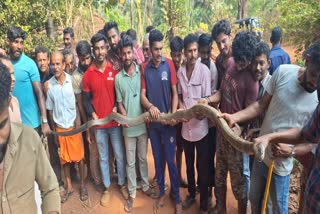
x=116 y=13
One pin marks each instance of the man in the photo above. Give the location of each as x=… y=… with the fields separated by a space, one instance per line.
x=146 y=48
x=277 y=55
x=138 y=54
x=69 y=42
x=159 y=94
x=99 y=101
x=176 y=47
x=42 y=55
x=112 y=33
x=284 y=101
x=28 y=87
x=61 y=104
x=83 y=50
x=70 y=64
x=193 y=84
x=238 y=90
x=20 y=141
x=221 y=35
x=128 y=86
x=205 y=48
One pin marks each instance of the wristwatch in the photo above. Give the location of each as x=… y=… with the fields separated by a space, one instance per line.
x=293 y=153
x=44 y=120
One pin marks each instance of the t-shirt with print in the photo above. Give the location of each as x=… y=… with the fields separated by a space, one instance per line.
x=101 y=86
x=291 y=106
x=238 y=89
x=26 y=72
x=158 y=82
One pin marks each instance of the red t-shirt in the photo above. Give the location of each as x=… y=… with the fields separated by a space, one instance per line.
x=238 y=89
x=101 y=86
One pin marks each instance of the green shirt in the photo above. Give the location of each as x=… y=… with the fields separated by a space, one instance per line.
x=128 y=93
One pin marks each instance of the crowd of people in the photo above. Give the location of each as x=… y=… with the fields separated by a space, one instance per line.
x=252 y=85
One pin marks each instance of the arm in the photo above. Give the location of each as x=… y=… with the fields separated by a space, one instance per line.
x=180 y=100
x=88 y=106
x=213 y=99
x=80 y=108
x=121 y=108
x=41 y=103
x=174 y=104
x=285 y=151
x=154 y=111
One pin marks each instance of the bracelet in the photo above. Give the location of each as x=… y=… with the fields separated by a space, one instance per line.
x=293 y=153
x=150 y=107
x=208 y=99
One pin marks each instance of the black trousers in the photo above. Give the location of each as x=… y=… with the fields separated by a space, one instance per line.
x=212 y=137
x=202 y=153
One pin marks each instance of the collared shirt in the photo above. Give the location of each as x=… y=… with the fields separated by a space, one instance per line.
x=26 y=72
x=128 y=93
x=61 y=100
x=101 y=87
x=158 y=82
x=278 y=57
x=192 y=90
x=214 y=76
x=47 y=77
x=77 y=80
x=115 y=60
x=14 y=110
x=24 y=163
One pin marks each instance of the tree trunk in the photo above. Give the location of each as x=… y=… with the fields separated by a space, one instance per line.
x=242 y=4
x=132 y=13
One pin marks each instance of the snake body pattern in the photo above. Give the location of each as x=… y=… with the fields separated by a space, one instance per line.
x=200 y=109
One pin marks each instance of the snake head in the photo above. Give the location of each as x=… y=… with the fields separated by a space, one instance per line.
x=259 y=151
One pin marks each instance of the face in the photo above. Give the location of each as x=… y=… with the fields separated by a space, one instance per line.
x=10 y=66
x=113 y=38
x=176 y=58
x=85 y=61
x=57 y=65
x=191 y=53
x=146 y=50
x=127 y=56
x=15 y=48
x=205 y=54
x=156 y=52
x=100 y=51
x=260 y=67
x=69 y=64
x=242 y=65
x=43 y=62
x=224 y=44
x=4 y=129
x=67 y=40
x=311 y=77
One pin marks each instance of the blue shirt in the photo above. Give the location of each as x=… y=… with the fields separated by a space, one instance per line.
x=157 y=82
x=278 y=57
x=25 y=73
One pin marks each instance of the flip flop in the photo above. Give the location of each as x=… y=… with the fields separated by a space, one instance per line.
x=83 y=194
x=65 y=197
x=157 y=206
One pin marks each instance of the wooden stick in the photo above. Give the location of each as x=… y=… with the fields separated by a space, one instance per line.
x=266 y=191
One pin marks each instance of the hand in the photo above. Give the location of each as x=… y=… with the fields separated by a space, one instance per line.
x=155 y=113
x=262 y=140
x=94 y=116
x=125 y=125
x=114 y=109
x=229 y=118
x=45 y=129
x=237 y=130
x=281 y=150
x=90 y=136
x=251 y=133
x=147 y=119
x=203 y=101
x=77 y=123
x=2 y=52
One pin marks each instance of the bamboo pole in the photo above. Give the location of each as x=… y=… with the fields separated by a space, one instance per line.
x=266 y=191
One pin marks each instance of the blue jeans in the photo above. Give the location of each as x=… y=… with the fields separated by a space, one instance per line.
x=278 y=193
x=102 y=136
x=246 y=171
x=164 y=137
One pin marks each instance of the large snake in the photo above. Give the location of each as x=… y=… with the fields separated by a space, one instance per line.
x=211 y=113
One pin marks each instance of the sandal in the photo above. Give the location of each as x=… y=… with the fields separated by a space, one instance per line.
x=65 y=197
x=83 y=194
x=157 y=206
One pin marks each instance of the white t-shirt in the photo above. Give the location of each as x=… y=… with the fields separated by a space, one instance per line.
x=291 y=106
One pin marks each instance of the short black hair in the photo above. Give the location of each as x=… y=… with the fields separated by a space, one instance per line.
x=262 y=48
x=132 y=33
x=97 y=38
x=42 y=49
x=149 y=28
x=5 y=86
x=155 y=36
x=67 y=52
x=109 y=25
x=313 y=52
x=176 y=44
x=243 y=46
x=15 y=32
x=222 y=26
x=205 y=40
x=69 y=30
x=126 y=41
x=276 y=35
x=83 y=48
x=189 y=39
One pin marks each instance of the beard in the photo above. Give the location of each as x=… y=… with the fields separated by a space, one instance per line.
x=305 y=84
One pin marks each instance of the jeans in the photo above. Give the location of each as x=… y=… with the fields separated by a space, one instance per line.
x=102 y=137
x=164 y=137
x=278 y=192
x=137 y=147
